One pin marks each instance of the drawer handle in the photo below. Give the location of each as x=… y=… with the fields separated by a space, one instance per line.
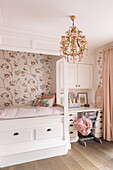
x=71 y=125
x=71 y=132
x=71 y=120
x=16 y=134
x=101 y=128
x=100 y=116
x=48 y=130
x=100 y=121
x=71 y=115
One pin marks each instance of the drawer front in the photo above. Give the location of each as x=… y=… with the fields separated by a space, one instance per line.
x=98 y=135
x=73 y=114
x=98 y=130
x=98 y=123
x=71 y=125
x=15 y=136
x=48 y=132
x=100 y=116
x=71 y=119
x=72 y=128
x=73 y=133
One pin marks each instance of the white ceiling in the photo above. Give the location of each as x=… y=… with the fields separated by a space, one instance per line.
x=94 y=17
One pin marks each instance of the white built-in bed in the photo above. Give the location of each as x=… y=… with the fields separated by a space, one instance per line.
x=33 y=133
x=30 y=133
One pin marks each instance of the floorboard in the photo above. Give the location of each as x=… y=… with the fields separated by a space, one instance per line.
x=93 y=157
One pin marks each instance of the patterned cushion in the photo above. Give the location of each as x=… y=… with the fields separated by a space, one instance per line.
x=43 y=102
x=44 y=96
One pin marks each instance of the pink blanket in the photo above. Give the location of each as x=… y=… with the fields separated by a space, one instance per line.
x=83 y=125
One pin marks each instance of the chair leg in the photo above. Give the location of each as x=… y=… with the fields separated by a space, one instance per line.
x=98 y=140
x=83 y=142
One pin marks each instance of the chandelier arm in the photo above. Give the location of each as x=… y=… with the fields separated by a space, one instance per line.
x=78 y=44
x=73 y=24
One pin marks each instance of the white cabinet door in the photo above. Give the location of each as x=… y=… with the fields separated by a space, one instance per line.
x=72 y=76
x=85 y=76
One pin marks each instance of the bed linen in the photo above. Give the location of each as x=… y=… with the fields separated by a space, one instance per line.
x=29 y=112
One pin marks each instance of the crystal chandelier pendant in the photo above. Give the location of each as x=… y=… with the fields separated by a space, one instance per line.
x=73 y=44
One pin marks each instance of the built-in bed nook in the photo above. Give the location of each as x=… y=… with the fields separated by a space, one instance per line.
x=30 y=132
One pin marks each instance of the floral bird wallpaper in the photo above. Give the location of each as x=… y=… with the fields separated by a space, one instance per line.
x=99 y=67
x=23 y=77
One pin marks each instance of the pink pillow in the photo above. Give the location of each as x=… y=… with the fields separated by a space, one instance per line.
x=44 y=96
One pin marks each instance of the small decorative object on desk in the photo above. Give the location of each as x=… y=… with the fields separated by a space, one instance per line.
x=73 y=104
x=73 y=101
x=71 y=97
x=83 y=98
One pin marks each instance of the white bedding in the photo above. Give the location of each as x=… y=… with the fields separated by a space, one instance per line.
x=29 y=111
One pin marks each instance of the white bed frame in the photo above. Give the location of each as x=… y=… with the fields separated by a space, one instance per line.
x=29 y=139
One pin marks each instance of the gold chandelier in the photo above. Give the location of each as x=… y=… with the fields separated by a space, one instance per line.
x=73 y=44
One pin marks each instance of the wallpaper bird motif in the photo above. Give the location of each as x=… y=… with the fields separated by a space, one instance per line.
x=23 y=77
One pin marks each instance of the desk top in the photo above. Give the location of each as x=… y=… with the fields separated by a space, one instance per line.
x=81 y=109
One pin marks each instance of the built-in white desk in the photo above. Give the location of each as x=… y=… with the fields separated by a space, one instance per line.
x=73 y=114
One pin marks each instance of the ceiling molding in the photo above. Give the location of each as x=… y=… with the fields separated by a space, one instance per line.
x=18 y=29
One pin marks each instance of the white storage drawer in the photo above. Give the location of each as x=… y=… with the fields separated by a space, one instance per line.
x=72 y=128
x=99 y=123
x=98 y=135
x=71 y=125
x=15 y=136
x=98 y=130
x=73 y=115
x=73 y=133
x=100 y=116
x=49 y=132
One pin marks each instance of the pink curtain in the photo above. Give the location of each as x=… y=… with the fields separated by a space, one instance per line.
x=107 y=78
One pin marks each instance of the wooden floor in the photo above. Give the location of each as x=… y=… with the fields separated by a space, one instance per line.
x=93 y=157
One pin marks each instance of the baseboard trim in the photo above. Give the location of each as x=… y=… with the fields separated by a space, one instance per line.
x=32 y=156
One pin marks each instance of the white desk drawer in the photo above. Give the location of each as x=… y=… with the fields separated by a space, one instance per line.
x=98 y=130
x=99 y=123
x=73 y=133
x=72 y=128
x=71 y=124
x=73 y=114
x=48 y=132
x=100 y=116
x=98 y=135
x=15 y=136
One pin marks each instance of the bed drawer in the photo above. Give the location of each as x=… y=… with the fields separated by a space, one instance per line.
x=48 y=132
x=15 y=136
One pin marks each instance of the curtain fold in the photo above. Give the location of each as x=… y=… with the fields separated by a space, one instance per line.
x=107 y=81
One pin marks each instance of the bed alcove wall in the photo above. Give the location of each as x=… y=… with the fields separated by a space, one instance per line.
x=24 y=76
